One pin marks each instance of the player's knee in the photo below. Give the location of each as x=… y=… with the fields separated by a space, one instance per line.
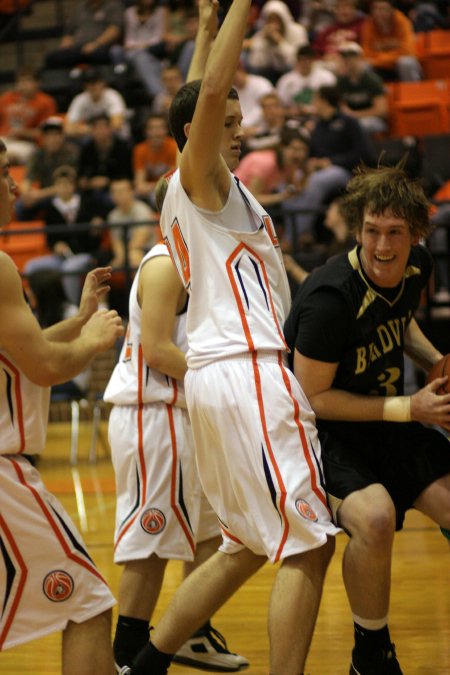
x=377 y=527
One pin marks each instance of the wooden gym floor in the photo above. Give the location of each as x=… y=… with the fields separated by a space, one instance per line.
x=420 y=602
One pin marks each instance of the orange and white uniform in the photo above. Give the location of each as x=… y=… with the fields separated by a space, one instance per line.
x=161 y=508
x=47 y=577
x=257 y=448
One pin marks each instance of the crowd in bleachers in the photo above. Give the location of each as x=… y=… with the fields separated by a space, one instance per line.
x=323 y=85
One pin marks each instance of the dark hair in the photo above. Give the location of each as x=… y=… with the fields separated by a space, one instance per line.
x=183 y=107
x=306 y=50
x=289 y=134
x=386 y=189
x=50 y=297
x=331 y=94
x=2 y=146
x=102 y=116
x=65 y=171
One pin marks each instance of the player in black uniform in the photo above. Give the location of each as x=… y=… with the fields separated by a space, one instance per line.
x=350 y=324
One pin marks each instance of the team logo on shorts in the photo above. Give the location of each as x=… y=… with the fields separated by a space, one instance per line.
x=58 y=586
x=305 y=509
x=153 y=521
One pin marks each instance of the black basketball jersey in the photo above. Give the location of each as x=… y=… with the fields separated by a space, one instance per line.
x=339 y=316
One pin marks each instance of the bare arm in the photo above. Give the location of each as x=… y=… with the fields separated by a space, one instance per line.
x=419 y=348
x=43 y=361
x=204 y=174
x=207 y=30
x=161 y=296
x=316 y=379
x=95 y=287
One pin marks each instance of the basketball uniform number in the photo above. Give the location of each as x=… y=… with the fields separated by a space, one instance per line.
x=182 y=252
x=387 y=381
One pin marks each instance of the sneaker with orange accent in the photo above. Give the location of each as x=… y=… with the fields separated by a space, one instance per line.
x=207 y=650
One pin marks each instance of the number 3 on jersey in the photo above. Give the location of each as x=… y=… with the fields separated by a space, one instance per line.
x=182 y=253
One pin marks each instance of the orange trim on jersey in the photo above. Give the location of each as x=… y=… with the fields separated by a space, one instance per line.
x=238 y=299
x=55 y=527
x=21 y=584
x=173 y=481
x=140 y=409
x=182 y=251
x=276 y=469
x=175 y=391
x=318 y=491
x=19 y=405
x=230 y=536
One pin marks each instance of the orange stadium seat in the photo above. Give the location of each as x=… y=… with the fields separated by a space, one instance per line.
x=23 y=247
x=419 y=108
x=436 y=53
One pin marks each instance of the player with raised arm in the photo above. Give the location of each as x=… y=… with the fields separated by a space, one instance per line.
x=256 y=443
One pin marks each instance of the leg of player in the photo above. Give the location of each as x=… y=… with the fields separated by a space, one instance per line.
x=294 y=604
x=368 y=515
x=86 y=647
x=435 y=503
x=139 y=588
x=200 y=595
x=207 y=648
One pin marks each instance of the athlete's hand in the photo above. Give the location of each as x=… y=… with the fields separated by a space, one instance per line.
x=207 y=14
x=96 y=286
x=104 y=328
x=429 y=407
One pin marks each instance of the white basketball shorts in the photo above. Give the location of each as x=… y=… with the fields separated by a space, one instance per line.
x=46 y=575
x=258 y=455
x=161 y=507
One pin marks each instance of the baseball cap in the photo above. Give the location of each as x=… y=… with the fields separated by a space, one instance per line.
x=52 y=124
x=350 y=49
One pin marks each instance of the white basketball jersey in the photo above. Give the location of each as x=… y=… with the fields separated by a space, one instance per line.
x=23 y=411
x=239 y=290
x=132 y=381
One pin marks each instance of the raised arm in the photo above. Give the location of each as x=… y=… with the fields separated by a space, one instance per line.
x=207 y=31
x=203 y=170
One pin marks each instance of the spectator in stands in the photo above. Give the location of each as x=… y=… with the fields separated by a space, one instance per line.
x=388 y=41
x=296 y=88
x=362 y=90
x=93 y=27
x=251 y=88
x=346 y=27
x=153 y=157
x=129 y=210
x=278 y=175
x=266 y=135
x=271 y=51
x=172 y=80
x=74 y=250
x=146 y=24
x=316 y=16
x=104 y=158
x=22 y=111
x=37 y=187
x=96 y=99
x=338 y=144
x=342 y=241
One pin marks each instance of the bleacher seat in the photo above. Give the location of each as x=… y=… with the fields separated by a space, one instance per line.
x=24 y=246
x=436 y=54
x=419 y=108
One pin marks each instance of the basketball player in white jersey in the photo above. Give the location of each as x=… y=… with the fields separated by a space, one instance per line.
x=48 y=581
x=256 y=444
x=161 y=511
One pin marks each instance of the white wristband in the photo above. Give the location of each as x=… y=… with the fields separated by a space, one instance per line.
x=397 y=409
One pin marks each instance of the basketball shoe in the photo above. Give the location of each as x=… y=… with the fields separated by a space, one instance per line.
x=387 y=665
x=207 y=650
